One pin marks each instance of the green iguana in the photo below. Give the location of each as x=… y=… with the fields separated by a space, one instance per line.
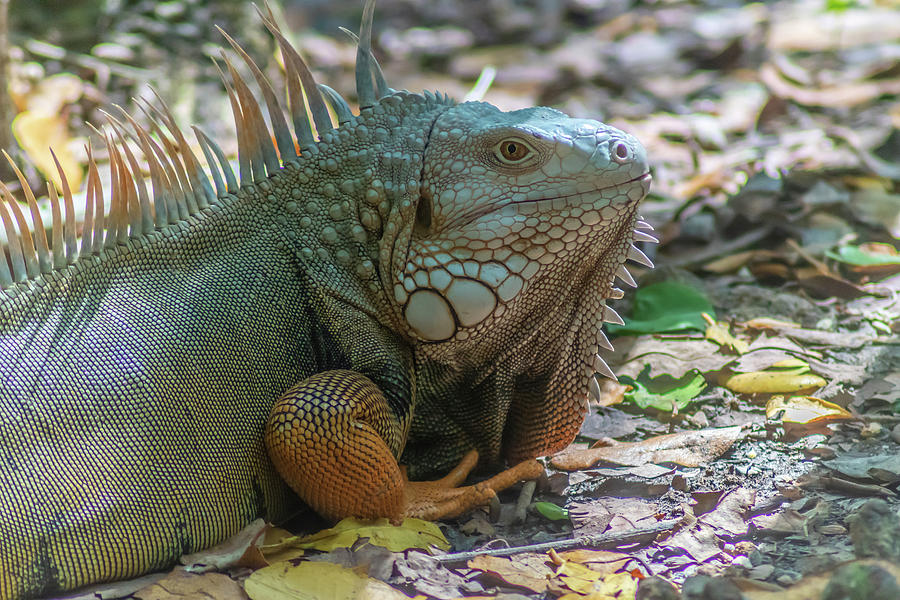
x=424 y=284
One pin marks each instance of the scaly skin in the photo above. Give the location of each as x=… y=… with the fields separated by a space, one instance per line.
x=429 y=279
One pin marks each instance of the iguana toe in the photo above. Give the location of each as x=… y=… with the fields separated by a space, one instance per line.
x=441 y=499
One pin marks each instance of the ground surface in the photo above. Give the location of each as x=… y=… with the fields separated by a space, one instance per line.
x=773 y=133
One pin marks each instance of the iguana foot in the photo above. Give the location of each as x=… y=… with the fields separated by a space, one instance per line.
x=334 y=439
x=441 y=499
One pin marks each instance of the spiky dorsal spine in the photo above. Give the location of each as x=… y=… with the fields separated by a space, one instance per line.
x=180 y=187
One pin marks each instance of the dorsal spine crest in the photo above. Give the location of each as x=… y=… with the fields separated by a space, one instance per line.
x=180 y=189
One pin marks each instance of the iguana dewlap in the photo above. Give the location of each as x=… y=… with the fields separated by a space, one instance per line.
x=422 y=284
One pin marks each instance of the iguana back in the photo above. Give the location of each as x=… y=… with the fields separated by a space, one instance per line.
x=137 y=374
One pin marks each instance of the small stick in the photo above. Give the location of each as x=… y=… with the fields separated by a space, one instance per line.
x=524 y=501
x=604 y=540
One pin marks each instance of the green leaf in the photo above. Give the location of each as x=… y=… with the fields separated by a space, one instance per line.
x=666 y=306
x=664 y=392
x=854 y=255
x=551 y=511
x=840 y=5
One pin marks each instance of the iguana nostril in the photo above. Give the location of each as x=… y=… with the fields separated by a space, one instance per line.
x=620 y=152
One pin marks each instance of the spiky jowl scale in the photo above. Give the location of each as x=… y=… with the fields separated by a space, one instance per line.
x=424 y=281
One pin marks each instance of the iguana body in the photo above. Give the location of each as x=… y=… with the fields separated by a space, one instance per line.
x=425 y=280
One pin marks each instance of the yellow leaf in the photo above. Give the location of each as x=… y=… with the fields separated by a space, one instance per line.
x=773 y=382
x=719 y=333
x=412 y=533
x=587 y=582
x=51 y=95
x=804 y=409
x=316 y=581
x=278 y=546
x=36 y=134
x=791 y=363
x=767 y=323
x=603 y=561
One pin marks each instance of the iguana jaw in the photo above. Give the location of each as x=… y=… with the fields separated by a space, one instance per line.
x=462 y=290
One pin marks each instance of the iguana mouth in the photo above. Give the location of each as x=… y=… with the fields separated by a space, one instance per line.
x=464 y=220
x=641 y=178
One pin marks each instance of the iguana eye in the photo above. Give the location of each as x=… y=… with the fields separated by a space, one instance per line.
x=513 y=151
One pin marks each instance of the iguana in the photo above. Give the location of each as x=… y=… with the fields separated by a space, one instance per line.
x=422 y=285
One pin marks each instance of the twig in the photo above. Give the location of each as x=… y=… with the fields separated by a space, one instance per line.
x=604 y=540
x=710 y=252
x=102 y=67
x=524 y=501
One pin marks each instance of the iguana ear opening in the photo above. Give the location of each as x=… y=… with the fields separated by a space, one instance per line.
x=424 y=210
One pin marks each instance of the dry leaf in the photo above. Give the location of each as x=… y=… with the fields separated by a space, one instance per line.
x=687 y=448
x=602 y=561
x=228 y=553
x=316 y=581
x=278 y=545
x=412 y=533
x=774 y=382
x=593 y=584
x=805 y=409
x=36 y=134
x=719 y=333
x=181 y=585
x=529 y=571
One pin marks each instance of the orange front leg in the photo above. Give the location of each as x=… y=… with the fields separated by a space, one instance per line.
x=334 y=440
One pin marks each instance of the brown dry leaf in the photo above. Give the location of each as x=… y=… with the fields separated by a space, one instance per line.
x=823 y=285
x=860 y=25
x=766 y=352
x=786 y=522
x=710 y=180
x=529 y=571
x=612 y=513
x=671 y=356
x=117 y=589
x=729 y=515
x=686 y=448
x=845 y=95
x=733 y=262
x=316 y=581
x=423 y=573
x=239 y=547
x=818 y=337
x=699 y=542
x=180 y=585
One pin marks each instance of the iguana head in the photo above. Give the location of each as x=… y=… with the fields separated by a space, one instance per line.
x=519 y=213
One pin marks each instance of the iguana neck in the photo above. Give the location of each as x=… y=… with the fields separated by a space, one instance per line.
x=345 y=205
